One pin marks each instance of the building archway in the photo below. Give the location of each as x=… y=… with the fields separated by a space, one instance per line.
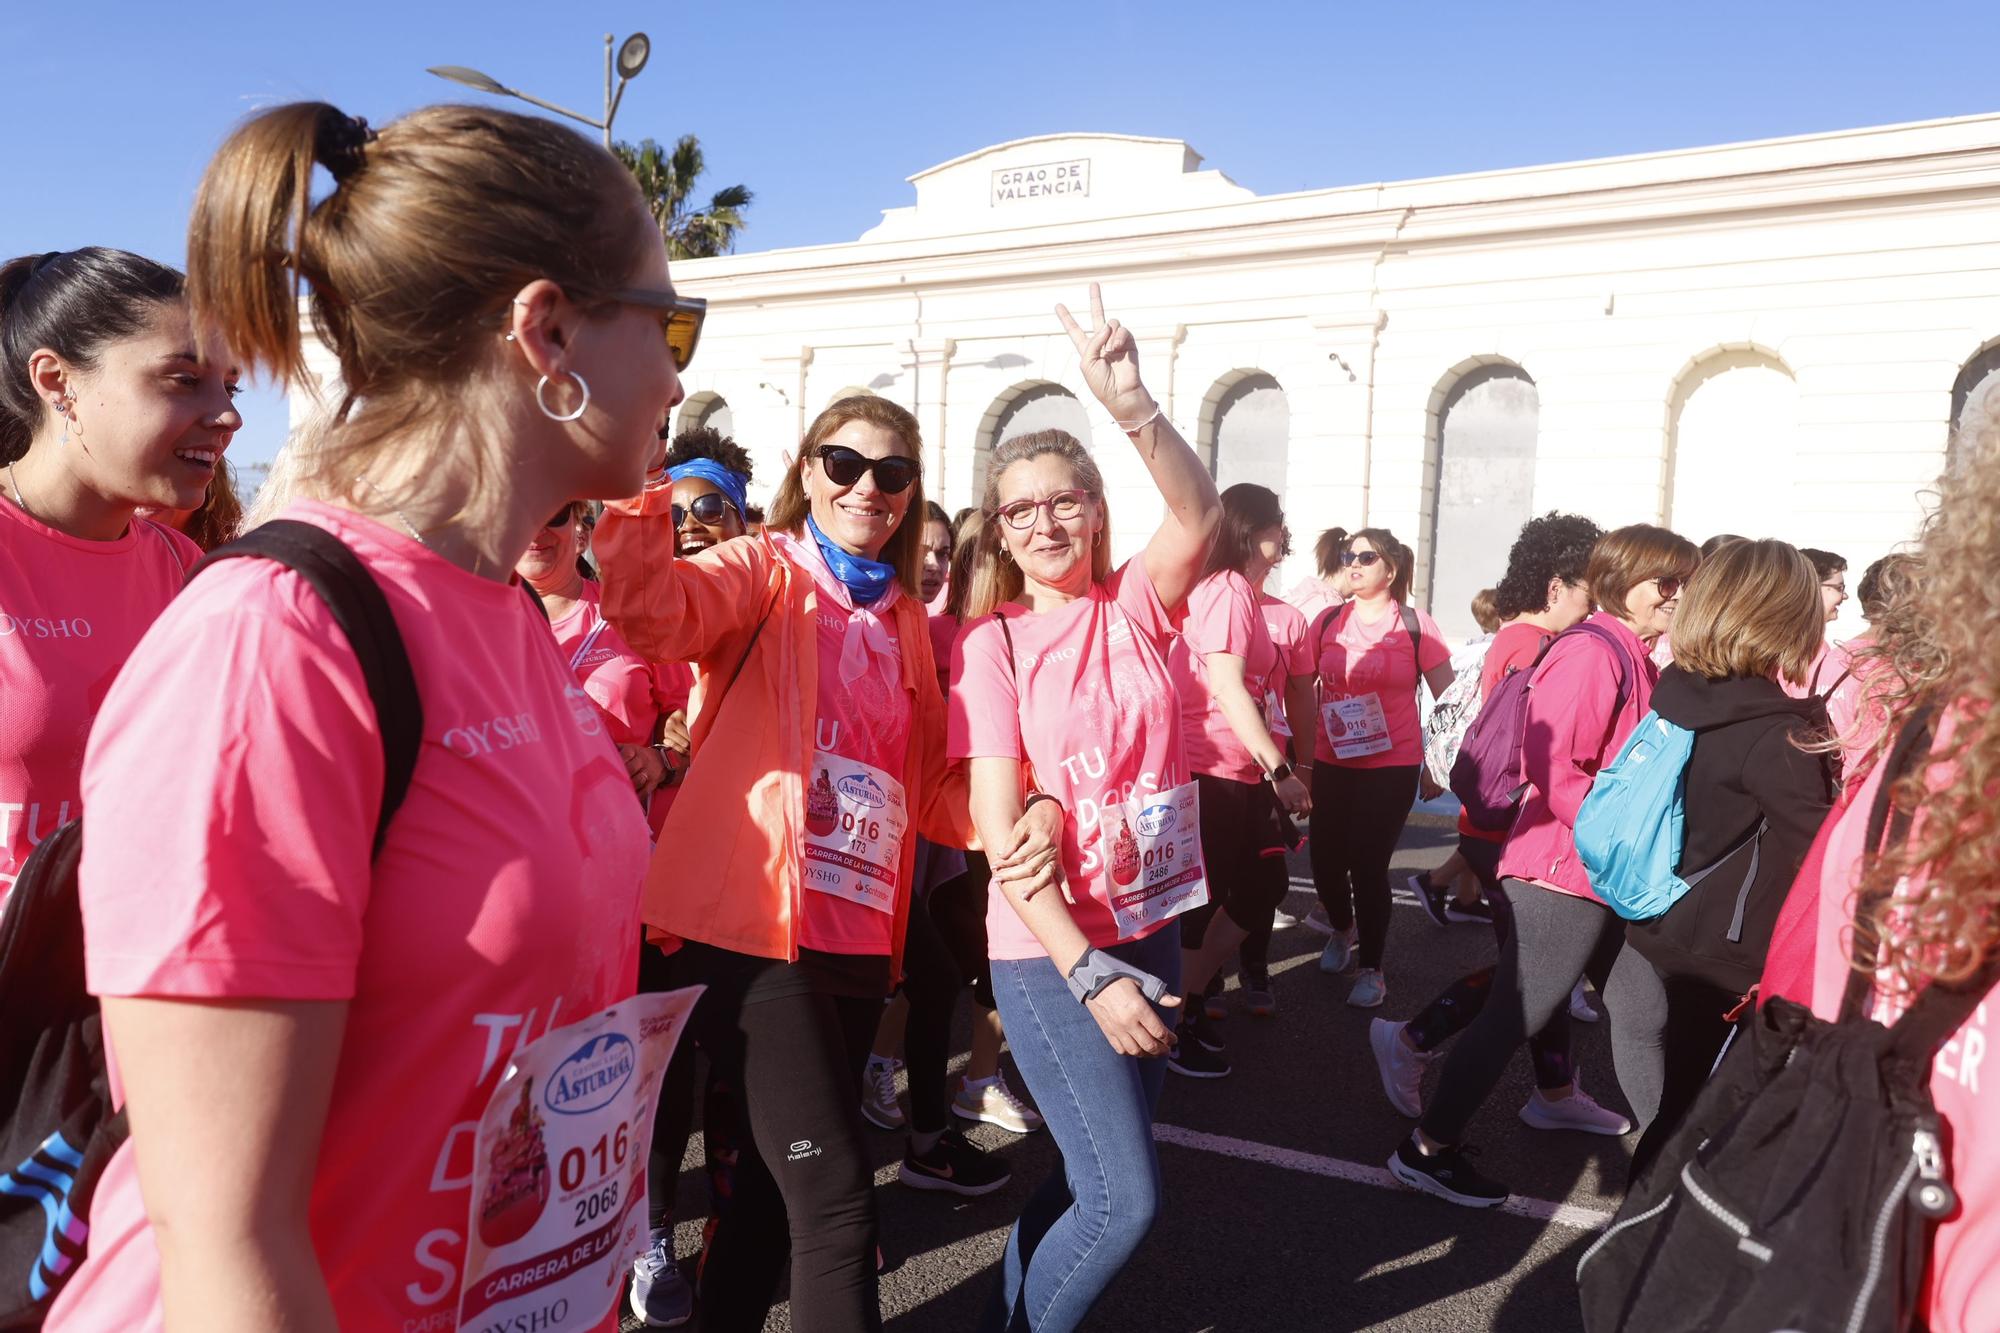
x=1026 y=407
x=1484 y=430
x=1245 y=429
x=1975 y=402
x=1732 y=455
x=707 y=408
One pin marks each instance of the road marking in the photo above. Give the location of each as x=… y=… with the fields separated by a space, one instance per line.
x=1312 y=1164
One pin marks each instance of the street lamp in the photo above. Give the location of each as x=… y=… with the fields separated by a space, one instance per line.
x=626 y=64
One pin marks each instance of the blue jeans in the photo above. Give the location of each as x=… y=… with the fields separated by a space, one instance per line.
x=1083 y=1223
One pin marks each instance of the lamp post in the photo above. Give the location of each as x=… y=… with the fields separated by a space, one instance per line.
x=625 y=64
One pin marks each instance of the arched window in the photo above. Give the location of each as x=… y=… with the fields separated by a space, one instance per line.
x=707 y=408
x=1732 y=458
x=1975 y=401
x=1023 y=409
x=1487 y=426
x=1245 y=430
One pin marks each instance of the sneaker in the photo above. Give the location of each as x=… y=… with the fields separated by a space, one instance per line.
x=1432 y=900
x=1283 y=920
x=878 y=1094
x=1576 y=1111
x=661 y=1297
x=1402 y=1069
x=1192 y=1059
x=1258 y=997
x=1580 y=1007
x=1316 y=921
x=1369 y=989
x=954 y=1164
x=1338 y=955
x=992 y=1102
x=1446 y=1174
x=1211 y=1000
x=1477 y=910
x=1205 y=1029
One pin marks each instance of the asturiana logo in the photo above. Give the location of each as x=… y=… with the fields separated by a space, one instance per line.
x=863 y=790
x=1155 y=820
x=591 y=1077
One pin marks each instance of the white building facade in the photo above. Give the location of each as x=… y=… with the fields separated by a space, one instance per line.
x=1772 y=339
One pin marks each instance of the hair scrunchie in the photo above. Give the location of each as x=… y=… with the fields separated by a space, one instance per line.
x=341 y=144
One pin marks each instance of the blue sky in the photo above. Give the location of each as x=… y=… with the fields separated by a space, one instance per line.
x=113 y=108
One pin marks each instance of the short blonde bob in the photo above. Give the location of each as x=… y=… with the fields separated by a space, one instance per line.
x=1752 y=609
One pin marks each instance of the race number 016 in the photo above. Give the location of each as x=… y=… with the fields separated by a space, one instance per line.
x=609 y=1150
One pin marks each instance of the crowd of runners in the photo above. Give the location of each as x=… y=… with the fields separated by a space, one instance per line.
x=844 y=757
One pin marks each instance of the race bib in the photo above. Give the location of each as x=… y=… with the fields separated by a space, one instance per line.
x=1274 y=716
x=1355 y=725
x=559 y=1185
x=1151 y=846
x=855 y=818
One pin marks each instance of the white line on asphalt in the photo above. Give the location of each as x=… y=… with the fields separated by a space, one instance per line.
x=1312 y=1164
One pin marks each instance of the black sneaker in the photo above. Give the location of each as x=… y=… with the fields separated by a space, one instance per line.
x=1476 y=910
x=1206 y=1030
x=1193 y=1059
x=954 y=1163
x=1446 y=1174
x=1431 y=899
x=1211 y=1000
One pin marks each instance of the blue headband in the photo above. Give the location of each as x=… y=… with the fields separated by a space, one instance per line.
x=732 y=484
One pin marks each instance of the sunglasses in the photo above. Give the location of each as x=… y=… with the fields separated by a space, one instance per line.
x=844 y=466
x=563 y=517
x=708 y=510
x=1062 y=506
x=1362 y=558
x=1669 y=586
x=680 y=319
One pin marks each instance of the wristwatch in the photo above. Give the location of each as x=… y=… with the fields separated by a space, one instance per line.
x=1093 y=971
x=1279 y=774
x=674 y=771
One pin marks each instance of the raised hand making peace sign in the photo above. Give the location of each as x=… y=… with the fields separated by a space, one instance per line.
x=1110 y=357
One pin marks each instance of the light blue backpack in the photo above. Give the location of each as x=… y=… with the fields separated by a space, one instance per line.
x=1629 y=831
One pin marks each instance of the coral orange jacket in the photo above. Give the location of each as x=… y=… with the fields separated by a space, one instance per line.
x=727 y=870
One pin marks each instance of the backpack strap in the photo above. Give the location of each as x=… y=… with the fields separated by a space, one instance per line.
x=1754 y=840
x=1620 y=658
x=1415 y=629
x=332 y=570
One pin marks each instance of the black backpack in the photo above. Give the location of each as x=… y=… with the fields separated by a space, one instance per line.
x=58 y=1129
x=1801 y=1189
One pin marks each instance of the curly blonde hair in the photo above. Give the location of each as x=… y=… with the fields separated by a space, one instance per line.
x=1935 y=648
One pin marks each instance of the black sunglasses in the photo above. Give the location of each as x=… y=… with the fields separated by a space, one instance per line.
x=844 y=466
x=564 y=516
x=708 y=510
x=1362 y=558
x=680 y=319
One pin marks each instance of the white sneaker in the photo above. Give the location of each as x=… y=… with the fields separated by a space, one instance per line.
x=1316 y=921
x=878 y=1094
x=1576 y=1111
x=1369 y=989
x=992 y=1102
x=1580 y=1007
x=1402 y=1069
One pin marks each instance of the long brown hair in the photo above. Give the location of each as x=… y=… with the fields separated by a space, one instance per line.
x=996 y=580
x=1935 y=649
x=432 y=227
x=790 y=508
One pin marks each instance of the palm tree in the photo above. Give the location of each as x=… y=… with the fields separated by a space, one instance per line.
x=667 y=181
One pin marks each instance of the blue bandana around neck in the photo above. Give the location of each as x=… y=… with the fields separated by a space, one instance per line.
x=865 y=580
x=733 y=485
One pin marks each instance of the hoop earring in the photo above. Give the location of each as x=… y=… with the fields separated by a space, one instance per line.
x=541 y=386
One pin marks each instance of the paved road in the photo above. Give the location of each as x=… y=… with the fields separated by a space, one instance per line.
x=1278 y=1214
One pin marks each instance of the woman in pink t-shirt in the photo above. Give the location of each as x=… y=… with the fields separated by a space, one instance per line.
x=1327 y=587
x=307 y=1035
x=1369 y=744
x=1236 y=689
x=108 y=403
x=1060 y=693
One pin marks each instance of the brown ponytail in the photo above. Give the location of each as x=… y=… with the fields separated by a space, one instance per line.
x=431 y=228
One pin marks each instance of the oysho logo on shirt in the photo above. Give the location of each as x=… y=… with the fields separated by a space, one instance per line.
x=477 y=740
x=44 y=627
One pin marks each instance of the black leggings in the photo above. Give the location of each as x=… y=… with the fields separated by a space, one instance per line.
x=675 y=1118
x=803 y=1186
x=1357 y=816
x=1242 y=851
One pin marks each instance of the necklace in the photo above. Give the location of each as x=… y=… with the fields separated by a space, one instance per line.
x=17 y=489
x=376 y=491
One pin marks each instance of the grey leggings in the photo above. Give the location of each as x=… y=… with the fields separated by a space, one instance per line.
x=1665 y=1034
x=1557 y=938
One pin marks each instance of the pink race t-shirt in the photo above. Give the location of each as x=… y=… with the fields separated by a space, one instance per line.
x=1222 y=617
x=944 y=634
x=861 y=733
x=235 y=863
x=1287 y=626
x=617 y=679
x=1359 y=660
x=71 y=612
x=1962 y=1287
x=1087 y=703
